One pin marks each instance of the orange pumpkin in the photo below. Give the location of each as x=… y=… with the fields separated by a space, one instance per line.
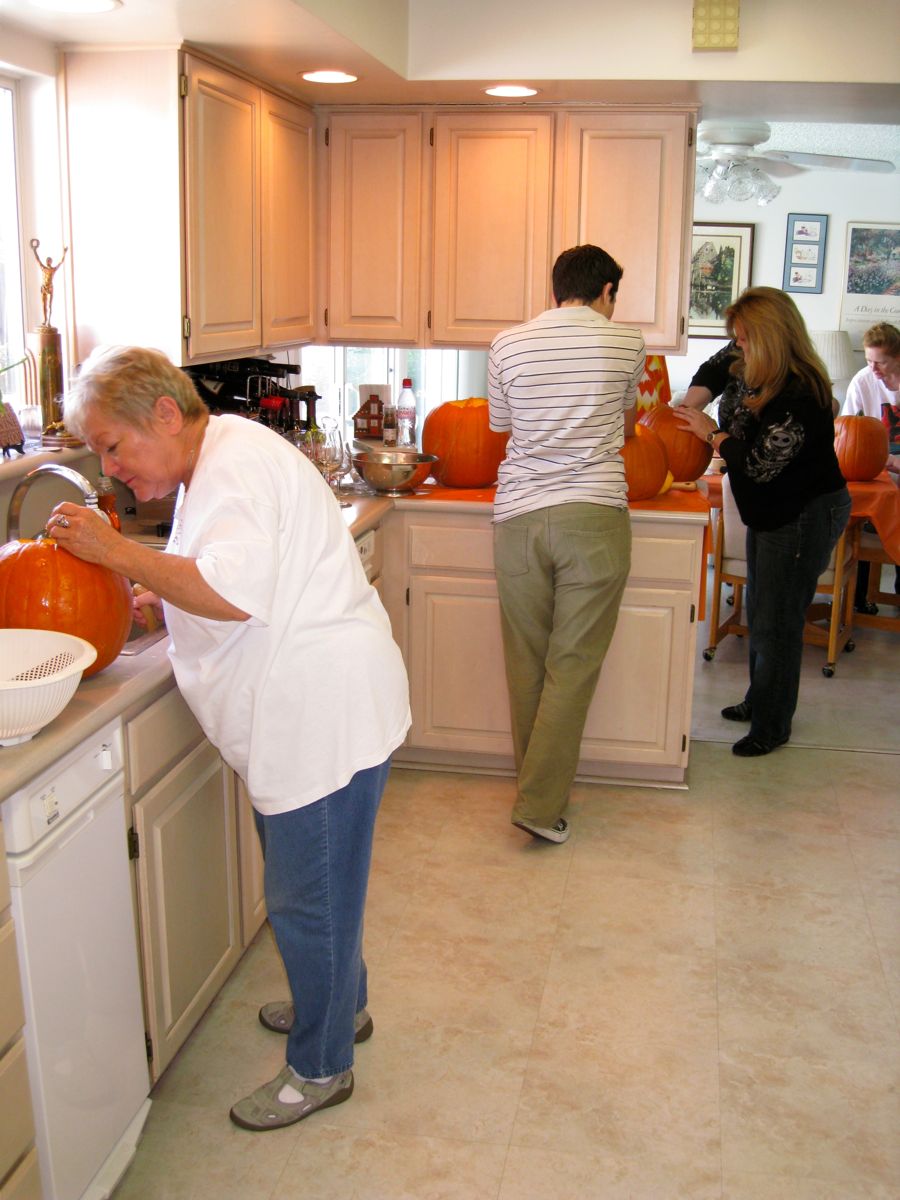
x=646 y=464
x=861 y=446
x=688 y=455
x=469 y=452
x=43 y=586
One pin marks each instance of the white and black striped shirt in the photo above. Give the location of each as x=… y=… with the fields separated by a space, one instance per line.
x=561 y=384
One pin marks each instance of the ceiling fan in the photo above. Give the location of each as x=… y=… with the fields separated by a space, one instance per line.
x=729 y=166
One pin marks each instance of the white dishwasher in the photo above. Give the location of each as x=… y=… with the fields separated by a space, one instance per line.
x=84 y=1028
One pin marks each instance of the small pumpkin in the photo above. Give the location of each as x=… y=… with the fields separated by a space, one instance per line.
x=688 y=455
x=43 y=586
x=861 y=446
x=646 y=464
x=469 y=452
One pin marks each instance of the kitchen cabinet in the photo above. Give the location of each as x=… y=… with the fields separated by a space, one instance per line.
x=625 y=184
x=19 y=1176
x=492 y=193
x=201 y=241
x=186 y=858
x=441 y=594
x=251 y=868
x=375 y=227
x=470 y=230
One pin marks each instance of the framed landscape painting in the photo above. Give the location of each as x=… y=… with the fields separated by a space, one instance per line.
x=871 y=278
x=721 y=262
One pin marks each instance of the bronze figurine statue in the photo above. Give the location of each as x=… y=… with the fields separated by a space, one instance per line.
x=48 y=270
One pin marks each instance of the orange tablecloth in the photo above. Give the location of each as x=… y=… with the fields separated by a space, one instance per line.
x=877 y=501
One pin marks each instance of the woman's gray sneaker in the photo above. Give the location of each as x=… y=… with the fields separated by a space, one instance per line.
x=279 y=1017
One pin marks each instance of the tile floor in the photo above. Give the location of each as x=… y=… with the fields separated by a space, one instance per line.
x=697 y=996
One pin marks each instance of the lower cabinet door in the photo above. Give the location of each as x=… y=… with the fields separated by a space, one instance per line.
x=641 y=711
x=252 y=868
x=187 y=871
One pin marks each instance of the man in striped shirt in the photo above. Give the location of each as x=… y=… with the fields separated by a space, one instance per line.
x=565 y=386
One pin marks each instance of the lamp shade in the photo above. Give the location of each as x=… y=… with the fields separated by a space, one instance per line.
x=836 y=352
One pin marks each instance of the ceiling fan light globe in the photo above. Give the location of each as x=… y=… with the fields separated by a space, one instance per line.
x=766 y=192
x=740 y=184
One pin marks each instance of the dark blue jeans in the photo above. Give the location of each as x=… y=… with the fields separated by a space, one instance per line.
x=317 y=871
x=783 y=567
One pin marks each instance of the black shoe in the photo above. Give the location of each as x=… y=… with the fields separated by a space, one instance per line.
x=751 y=747
x=737 y=712
x=866 y=607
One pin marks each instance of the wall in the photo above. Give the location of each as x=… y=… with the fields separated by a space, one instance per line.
x=843 y=196
x=650 y=39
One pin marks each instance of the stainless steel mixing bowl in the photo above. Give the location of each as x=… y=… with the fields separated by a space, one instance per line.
x=394 y=472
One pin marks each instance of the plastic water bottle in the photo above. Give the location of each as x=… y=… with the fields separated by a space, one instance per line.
x=406 y=415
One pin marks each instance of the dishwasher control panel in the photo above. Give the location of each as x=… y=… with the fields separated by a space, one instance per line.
x=42 y=805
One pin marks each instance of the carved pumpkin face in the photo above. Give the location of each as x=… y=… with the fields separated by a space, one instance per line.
x=469 y=452
x=43 y=586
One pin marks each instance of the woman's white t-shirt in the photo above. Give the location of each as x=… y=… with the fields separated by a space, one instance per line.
x=312 y=688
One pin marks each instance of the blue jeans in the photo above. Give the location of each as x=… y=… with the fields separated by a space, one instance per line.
x=317 y=871
x=561 y=572
x=783 y=567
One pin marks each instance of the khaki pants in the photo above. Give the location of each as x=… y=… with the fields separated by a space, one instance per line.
x=561 y=572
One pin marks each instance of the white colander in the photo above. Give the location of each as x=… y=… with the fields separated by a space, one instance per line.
x=39 y=672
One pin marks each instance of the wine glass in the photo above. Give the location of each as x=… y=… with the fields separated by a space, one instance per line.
x=332 y=456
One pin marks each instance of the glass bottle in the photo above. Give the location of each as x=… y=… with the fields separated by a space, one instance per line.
x=389 y=423
x=106 y=500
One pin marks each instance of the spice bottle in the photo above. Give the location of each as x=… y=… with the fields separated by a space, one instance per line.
x=106 y=500
x=389 y=423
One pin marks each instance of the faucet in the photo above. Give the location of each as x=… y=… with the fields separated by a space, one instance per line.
x=21 y=488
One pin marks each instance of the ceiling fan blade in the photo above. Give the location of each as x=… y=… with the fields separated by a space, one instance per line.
x=834 y=162
x=776 y=167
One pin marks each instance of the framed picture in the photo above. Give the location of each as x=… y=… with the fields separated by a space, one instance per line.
x=721 y=258
x=871 y=279
x=804 y=252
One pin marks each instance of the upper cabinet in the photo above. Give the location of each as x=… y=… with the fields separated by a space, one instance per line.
x=625 y=185
x=191 y=207
x=492 y=191
x=468 y=234
x=375 y=223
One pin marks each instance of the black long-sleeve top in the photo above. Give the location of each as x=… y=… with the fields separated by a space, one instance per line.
x=782 y=458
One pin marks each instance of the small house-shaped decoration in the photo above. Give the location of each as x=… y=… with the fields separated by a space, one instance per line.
x=367 y=420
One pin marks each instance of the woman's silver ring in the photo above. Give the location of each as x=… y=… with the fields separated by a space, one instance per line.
x=63 y=522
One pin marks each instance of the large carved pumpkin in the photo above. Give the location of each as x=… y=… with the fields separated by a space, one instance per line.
x=43 y=586
x=646 y=464
x=861 y=446
x=469 y=452
x=688 y=455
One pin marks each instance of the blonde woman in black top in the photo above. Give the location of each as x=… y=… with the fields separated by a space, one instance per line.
x=779 y=452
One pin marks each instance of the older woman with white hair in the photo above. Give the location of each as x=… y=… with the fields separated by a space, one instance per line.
x=284 y=653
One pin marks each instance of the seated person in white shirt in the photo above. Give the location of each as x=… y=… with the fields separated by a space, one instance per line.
x=878 y=382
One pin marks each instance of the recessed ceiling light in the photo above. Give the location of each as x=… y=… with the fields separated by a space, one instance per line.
x=511 y=90
x=329 y=77
x=77 y=7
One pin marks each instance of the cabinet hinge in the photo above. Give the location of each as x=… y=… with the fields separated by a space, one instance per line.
x=683 y=742
x=182 y=85
x=407 y=597
x=148 y=1043
x=134 y=844
x=185 y=327
x=690 y=135
x=327 y=137
x=682 y=324
x=693 y=614
x=326 y=318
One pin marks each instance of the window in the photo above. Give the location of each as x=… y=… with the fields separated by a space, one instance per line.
x=12 y=323
x=340 y=375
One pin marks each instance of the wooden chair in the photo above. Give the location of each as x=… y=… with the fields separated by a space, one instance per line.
x=872 y=551
x=828 y=624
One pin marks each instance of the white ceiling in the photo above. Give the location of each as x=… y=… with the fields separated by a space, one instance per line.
x=278 y=39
